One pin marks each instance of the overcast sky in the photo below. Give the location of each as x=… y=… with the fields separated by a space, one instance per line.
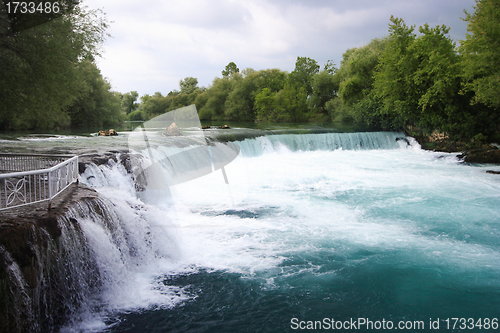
x=156 y=43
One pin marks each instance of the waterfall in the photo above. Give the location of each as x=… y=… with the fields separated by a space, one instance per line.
x=94 y=258
x=71 y=270
x=116 y=243
x=130 y=243
x=31 y=286
x=323 y=141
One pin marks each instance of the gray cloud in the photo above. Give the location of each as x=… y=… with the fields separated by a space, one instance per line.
x=157 y=43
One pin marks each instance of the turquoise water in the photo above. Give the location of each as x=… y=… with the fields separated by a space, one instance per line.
x=309 y=233
x=312 y=230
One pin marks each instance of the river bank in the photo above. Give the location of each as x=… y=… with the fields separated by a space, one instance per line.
x=470 y=152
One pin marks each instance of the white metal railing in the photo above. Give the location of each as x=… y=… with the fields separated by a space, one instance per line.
x=27 y=179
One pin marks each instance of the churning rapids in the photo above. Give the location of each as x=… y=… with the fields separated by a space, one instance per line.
x=310 y=229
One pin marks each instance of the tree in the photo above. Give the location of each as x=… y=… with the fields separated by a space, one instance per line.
x=358 y=65
x=265 y=105
x=136 y=116
x=200 y=101
x=436 y=78
x=39 y=75
x=216 y=98
x=96 y=106
x=291 y=104
x=240 y=102
x=393 y=77
x=230 y=70
x=481 y=53
x=188 y=85
x=286 y=105
x=356 y=100
x=128 y=102
x=418 y=79
x=305 y=68
x=330 y=67
x=155 y=105
x=324 y=88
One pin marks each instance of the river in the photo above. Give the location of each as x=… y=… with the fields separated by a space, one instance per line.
x=307 y=229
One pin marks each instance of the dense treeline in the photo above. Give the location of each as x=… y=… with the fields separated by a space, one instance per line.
x=412 y=79
x=266 y=95
x=48 y=78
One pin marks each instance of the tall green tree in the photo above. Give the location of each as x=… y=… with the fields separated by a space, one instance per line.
x=39 y=75
x=96 y=106
x=418 y=80
x=356 y=100
x=324 y=88
x=200 y=100
x=393 y=78
x=302 y=75
x=265 y=105
x=129 y=101
x=436 y=78
x=291 y=104
x=357 y=69
x=217 y=94
x=155 y=105
x=240 y=102
x=287 y=105
x=330 y=67
x=230 y=70
x=481 y=53
x=188 y=85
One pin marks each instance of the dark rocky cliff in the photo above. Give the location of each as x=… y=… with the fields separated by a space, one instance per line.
x=38 y=285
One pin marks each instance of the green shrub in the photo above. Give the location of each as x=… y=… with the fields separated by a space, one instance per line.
x=135 y=116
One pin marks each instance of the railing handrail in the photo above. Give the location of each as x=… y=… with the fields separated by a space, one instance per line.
x=22 y=188
x=35 y=172
x=37 y=155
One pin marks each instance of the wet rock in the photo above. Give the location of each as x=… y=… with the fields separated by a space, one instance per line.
x=37 y=290
x=482 y=156
x=172 y=130
x=404 y=140
x=110 y=132
x=123 y=157
x=216 y=127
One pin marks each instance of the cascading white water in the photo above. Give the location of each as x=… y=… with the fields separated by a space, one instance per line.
x=323 y=141
x=310 y=211
x=123 y=246
x=22 y=307
x=131 y=242
x=128 y=238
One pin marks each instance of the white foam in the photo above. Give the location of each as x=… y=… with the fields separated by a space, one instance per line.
x=283 y=203
x=326 y=196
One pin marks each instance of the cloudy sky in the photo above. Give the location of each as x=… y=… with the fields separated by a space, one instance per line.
x=156 y=43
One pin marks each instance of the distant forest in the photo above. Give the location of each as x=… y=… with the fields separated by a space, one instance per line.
x=412 y=80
